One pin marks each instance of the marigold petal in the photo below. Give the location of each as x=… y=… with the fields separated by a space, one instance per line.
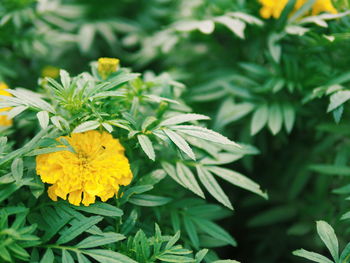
x=75 y=197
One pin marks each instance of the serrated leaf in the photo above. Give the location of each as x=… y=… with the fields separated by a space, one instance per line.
x=331 y=169
x=288 y=116
x=338 y=99
x=82 y=258
x=181 y=118
x=172 y=241
x=100 y=208
x=212 y=186
x=238 y=179
x=204 y=134
x=275 y=119
x=43 y=117
x=65 y=78
x=16 y=111
x=78 y=228
x=235 y=25
x=215 y=231
x=175 y=258
x=86 y=126
x=17 y=169
x=149 y=200
x=326 y=233
x=48 y=257
x=191 y=231
x=96 y=241
x=180 y=143
x=259 y=119
x=188 y=179
x=345 y=255
x=311 y=256
x=108 y=127
x=108 y=256
x=66 y=257
x=146 y=146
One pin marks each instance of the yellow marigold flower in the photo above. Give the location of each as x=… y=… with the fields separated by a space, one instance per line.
x=97 y=168
x=50 y=71
x=272 y=8
x=4 y=121
x=106 y=66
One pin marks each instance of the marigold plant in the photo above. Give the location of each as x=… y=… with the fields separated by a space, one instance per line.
x=174 y=131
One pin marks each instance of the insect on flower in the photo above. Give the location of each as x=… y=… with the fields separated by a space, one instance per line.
x=97 y=168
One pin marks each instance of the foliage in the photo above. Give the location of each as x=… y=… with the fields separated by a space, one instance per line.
x=211 y=73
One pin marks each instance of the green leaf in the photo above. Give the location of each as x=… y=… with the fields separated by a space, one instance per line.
x=201 y=254
x=326 y=233
x=43 y=117
x=181 y=118
x=330 y=169
x=302 y=10
x=146 y=146
x=149 y=200
x=16 y=111
x=78 y=228
x=259 y=119
x=66 y=257
x=108 y=256
x=180 y=143
x=82 y=258
x=235 y=25
x=288 y=116
x=86 y=126
x=338 y=99
x=85 y=37
x=172 y=241
x=130 y=222
x=214 y=230
x=46 y=150
x=18 y=251
x=275 y=119
x=204 y=134
x=30 y=98
x=17 y=169
x=175 y=258
x=212 y=186
x=191 y=231
x=345 y=255
x=238 y=180
x=96 y=241
x=274 y=47
x=187 y=179
x=48 y=257
x=65 y=79
x=311 y=256
x=100 y=208
x=346 y=216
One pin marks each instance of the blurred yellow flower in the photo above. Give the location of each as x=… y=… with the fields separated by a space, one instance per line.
x=97 y=168
x=272 y=8
x=106 y=66
x=4 y=121
x=50 y=71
